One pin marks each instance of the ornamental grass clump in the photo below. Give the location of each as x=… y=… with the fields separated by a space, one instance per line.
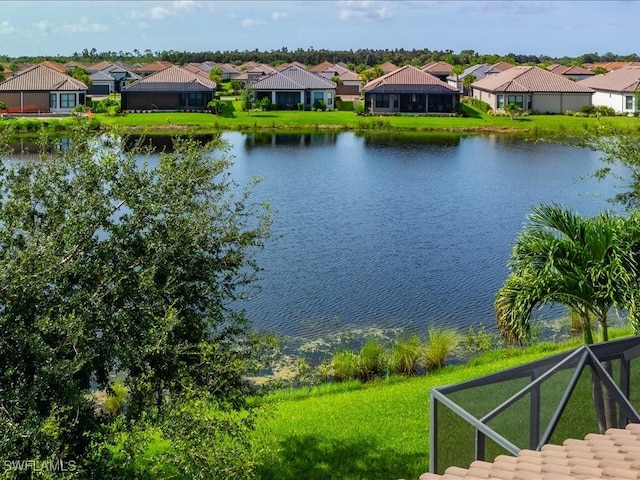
x=405 y=356
x=345 y=365
x=372 y=360
x=443 y=342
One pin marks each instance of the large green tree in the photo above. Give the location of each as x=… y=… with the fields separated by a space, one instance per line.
x=113 y=262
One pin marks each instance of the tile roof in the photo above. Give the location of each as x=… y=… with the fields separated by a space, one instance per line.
x=438 y=68
x=573 y=70
x=96 y=67
x=154 y=66
x=479 y=71
x=58 y=67
x=502 y=66
x=39 y=78
x=171 y=79
x=321 y=67
x=625 y=79
x=529 y=79
x=407 y=79
x=100 y=76
x=294 y=78
x=388 y=67
x=613 y=455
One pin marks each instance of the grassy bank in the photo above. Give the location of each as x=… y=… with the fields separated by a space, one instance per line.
x=379 y=430
x=233 y=118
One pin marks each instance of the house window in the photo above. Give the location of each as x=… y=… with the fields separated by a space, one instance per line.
x=67 y=100
x=500 y=101
x=382 y=100
x=53 y=100
x=529 y=102
x=329 y=99
x=318 y=96
x=628 y=102
x=517 y=99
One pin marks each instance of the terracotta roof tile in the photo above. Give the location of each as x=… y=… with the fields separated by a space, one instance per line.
x=612 y=455
x=625 y=79
x=529 y=79
x=405 y=77
x=41 y=78
x=294 y=78
x=172 y=79
x=438 y=68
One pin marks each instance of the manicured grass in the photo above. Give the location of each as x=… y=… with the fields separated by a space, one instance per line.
x=233 y=118
x=359 y=431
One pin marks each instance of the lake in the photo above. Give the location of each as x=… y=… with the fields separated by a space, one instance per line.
x=398 y=231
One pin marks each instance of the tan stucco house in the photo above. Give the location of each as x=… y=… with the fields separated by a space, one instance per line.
x=617 y=89
x=41 y=89
x=532 y=89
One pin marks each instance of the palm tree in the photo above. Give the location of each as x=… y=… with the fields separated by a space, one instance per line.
x=457 y=70
x=588 y=264
x=466 y=83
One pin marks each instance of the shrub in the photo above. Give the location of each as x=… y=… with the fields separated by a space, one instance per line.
x=588 y=109
x=300 y=106
x=265 y=104
x=443 y=342
x=319 y=105
x=358 y=108
x=479 y=104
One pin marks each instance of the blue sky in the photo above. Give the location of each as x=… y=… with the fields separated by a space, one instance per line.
x=555 y=28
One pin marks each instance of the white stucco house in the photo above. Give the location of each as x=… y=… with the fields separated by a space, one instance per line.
x=617 y=89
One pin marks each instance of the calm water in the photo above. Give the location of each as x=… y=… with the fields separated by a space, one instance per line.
x=398 y=232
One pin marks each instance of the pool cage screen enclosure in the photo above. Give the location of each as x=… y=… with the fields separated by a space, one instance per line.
x=525 y=407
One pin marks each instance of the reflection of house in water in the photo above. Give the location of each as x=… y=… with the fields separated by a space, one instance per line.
x=163 y=143
x=32 y=147
x=264 y=139
x=400 y=139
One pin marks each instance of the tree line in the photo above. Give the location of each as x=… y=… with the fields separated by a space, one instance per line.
x=365 y=57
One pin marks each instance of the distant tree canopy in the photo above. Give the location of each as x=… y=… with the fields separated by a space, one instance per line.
x=362 y=58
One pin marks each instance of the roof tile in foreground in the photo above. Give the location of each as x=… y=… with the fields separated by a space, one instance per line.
x=614 y=455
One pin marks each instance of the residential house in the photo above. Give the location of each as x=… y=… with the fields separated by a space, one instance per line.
x=440 y=70
x=532 y=89
x=254 y=72
x=119 y=75
x=172 y=88
x=475 y=72
x=349 y=82
x=229 y=71
x=41 y=89
x=294 y=85
x=101 y=83
x=618 y=89
x=410 y=90
x=574 y=72
x=610 y=66
x=283 y=66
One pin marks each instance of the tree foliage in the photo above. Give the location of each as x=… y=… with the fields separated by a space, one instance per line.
x=117 y=263
x=588 y=264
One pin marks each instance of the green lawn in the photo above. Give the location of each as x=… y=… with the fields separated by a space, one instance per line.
x=365 y=431
x=233 y=118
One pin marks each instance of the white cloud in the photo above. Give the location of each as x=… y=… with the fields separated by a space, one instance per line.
x=82 y=25
x=173 y=9
x=366 y=11
x=279 y=16
x=6 y=28
x=250 y=22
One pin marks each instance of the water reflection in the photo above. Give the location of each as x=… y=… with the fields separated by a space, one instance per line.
x=268 y=139
x=164 y=143
x=401 y=139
